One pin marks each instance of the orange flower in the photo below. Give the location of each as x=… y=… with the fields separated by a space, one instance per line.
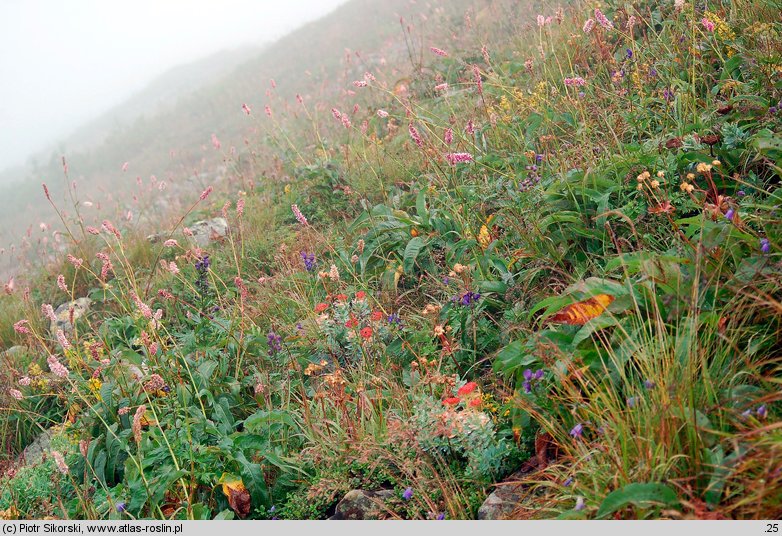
x=475 y=402
x=366 y=332
x=452 y=401
x=467 y=388
x=341 y=297
x=351 y=323
x=360 y=295
x=321 y=307
x=377 y=315
x=414 y=232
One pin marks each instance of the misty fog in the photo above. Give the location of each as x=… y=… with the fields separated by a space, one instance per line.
x=64 y=63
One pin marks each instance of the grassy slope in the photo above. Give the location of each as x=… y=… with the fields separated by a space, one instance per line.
x=303 y=384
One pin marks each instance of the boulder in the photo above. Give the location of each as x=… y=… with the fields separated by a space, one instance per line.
x=41 y=445
x=16 y=351
x=63 y=316
x=206 y=231
x=361 y=504
x=501 y=503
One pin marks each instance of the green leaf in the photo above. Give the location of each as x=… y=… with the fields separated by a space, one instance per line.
x=252 y=476
x=412 y=250
x=640 y=495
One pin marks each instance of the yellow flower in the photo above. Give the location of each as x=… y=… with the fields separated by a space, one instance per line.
x=484 y=238
x=287 y=188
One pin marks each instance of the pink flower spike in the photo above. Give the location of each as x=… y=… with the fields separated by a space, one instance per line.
x=382 y=113
x=299 y=216
x=206 y=193
x=246 y=109
x=458 y=158
x=438 y=51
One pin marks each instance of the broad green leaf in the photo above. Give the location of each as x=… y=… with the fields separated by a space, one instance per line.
x=640 y=495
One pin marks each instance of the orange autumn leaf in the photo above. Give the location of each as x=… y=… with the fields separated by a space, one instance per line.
x=581 y=312
x=237 y=494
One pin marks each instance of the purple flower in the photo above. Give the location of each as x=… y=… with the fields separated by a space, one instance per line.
x=539 y=374
x=772 y=110
x=469 y=298
x=527 y=387
x=202 y=265
x=765 y=245
x=440 y=517
x=528 y=374
x=407 y=494
x=581 y=94
x=762 y=412
x=567 y=482
x=393 y=318
x=446 y=280
x=309 y=261
x=729 y=214
x=275 y=342
x=121 y=507
x=631 y=402
x=539 y=158
x=577 y=431
x=579 y=504
x=629 y=54
x=746 y=414
x=649 y=384
x=741 y=193
x=652 y=72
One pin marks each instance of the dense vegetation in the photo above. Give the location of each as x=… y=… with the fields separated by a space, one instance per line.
x=547 y=242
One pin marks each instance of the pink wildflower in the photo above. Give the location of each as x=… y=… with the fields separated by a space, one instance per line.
x=360 y=83
x=25 y=381
x=61 y=283
x=336 y=113
x=206 y=193
x=76 y=262
x=21 y=327
x=441 y=87
x=346 y=121
x=448 y=136
x=268 y=110
x=215 y=142
x=136 y=427
x=15 y=394
x=246 y=109
x=438 y=51
x=589 y=25
x=63 y=340
x=382 y=113
x=299 y=216
x=369 y=77
x=603 y=20
x=59 y=460
x=56 y=367
x=541 y=21
x=173 y=268
x=92 y=230
x=48 y=312
x=476 y=73
x=143 y=308
x=415 y=135
x=125 y=166
x=707 y=24
x=171 y=243
x=458 y=158
x=240 y=207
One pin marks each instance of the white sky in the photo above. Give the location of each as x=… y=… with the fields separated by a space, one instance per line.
x=63 y=62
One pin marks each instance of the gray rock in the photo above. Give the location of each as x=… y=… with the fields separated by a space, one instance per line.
x=35 y=451
x=361 y=504
x=16 y=351
x=80 y=307
x=501 y=503
x=206 y=231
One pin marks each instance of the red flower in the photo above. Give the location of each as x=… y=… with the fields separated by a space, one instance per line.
x=377 y=315
x=321 y=307
x=341 y=297
x=360 y=295
x=366 y=332
x=475 y=402
x=452 y=401
x=351 y=323
x=467 y=388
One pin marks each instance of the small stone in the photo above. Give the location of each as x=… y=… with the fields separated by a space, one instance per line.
x=207 y=231
x=80 y=307
x=361 y=504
